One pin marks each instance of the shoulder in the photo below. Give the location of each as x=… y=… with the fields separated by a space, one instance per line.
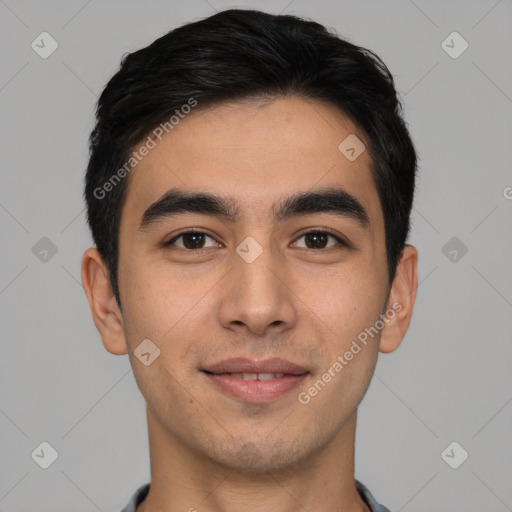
x=368 y=497
x=137 y=498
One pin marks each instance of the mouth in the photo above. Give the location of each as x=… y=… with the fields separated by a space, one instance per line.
x=255 y=381
x=253 y=376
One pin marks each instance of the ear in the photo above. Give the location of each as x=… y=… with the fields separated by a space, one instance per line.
x=104 y=308
x=402 y=296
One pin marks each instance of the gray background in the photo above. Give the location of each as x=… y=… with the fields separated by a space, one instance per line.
x=449 y=381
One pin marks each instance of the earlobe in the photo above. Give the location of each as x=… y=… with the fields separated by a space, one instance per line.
x=401 y=300
x=104 y=309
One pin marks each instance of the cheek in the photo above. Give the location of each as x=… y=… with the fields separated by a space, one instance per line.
x=350 y=308
x=348 y=301
x=152 y=302
x=167 y=309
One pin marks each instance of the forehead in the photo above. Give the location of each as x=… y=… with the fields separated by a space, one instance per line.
x=256 y=152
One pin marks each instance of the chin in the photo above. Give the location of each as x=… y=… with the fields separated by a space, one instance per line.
x=258 y=457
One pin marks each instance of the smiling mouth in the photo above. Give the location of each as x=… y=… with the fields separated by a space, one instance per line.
x=252 y=376
x=250 y=387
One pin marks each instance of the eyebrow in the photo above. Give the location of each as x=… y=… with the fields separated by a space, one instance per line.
x=331 y=200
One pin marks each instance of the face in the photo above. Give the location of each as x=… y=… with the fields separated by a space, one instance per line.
x=225 y=297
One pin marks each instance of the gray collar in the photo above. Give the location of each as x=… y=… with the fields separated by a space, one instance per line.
x=363 y=491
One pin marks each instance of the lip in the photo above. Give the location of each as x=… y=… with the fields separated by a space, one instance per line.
x=255 y=391
x=245 y=365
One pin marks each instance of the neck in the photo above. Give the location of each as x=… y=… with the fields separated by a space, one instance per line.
x=188 y=481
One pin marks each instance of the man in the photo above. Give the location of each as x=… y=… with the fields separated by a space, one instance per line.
x=249 y=190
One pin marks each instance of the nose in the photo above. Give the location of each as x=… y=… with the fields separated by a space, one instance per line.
x=256 y=297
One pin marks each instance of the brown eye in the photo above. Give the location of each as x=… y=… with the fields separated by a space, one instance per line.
x=319 y=240
x=191 y=240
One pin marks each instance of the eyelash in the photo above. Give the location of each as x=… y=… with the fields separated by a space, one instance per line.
x=341 y=242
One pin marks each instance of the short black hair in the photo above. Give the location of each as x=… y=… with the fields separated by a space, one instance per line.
x=242 y=54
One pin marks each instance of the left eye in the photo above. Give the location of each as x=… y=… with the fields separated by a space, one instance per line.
x=318 y=240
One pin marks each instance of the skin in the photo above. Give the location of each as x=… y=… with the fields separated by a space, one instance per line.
x=208 y=450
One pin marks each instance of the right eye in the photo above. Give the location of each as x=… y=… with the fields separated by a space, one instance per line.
x=191 y=241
